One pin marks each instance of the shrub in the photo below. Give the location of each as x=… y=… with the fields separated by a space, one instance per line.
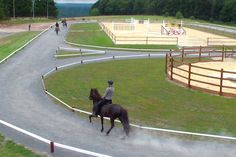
x=166 y=14
x=179 y=15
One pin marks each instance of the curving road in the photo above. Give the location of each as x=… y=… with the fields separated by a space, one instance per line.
x=24 y=104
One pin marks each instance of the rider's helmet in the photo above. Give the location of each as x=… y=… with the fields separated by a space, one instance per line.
x=110 y=82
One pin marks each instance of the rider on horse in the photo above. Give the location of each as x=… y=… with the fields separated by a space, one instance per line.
x=107 y=98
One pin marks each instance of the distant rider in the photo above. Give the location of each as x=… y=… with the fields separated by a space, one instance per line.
x=57 y=27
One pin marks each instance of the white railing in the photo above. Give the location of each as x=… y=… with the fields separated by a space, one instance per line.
x=52 y=145
x=17 y=50
x=134 y=125
x=78 y=52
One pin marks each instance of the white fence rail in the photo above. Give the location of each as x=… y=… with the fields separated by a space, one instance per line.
x=52 y=145
x=134 y=125
x=17 y=50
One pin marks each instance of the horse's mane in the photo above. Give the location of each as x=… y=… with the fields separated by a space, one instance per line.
x=96 y=93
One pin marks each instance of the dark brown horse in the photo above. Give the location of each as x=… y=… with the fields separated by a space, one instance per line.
x=111 y=111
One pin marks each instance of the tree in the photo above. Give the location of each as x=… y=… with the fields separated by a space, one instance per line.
x=228 y=12
x=138 y=7
x=179 y=15
x=200 y=9
x=94 y=12
x=2 y=15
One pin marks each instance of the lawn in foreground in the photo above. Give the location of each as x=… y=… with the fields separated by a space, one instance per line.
x=10 y=149
x=141 y=87
x=13 y=42
x=91 y=34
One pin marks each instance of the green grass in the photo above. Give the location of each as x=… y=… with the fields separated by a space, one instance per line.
x=13 y=42
x=91 y=36
x=10 y=149
x=151 y=100
x=78 y=54
x=26 y=21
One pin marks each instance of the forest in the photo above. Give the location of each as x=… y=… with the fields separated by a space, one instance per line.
x=73 y=10
x=24 y=8
x=212 y=10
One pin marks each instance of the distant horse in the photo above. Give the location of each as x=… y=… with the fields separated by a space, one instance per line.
x=112 y=111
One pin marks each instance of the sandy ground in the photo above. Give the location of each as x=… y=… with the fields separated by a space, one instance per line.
x=153 y=31
x=227 y=65
x=6 y=30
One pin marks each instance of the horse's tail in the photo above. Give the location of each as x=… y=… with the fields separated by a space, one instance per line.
x=125 y=121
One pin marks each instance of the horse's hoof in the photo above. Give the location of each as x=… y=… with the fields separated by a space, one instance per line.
x=107 y=133
x=102 y=130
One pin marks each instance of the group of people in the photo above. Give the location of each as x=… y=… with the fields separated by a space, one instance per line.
x=57 y=26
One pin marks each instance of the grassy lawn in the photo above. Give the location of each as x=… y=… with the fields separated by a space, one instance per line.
x=26 y=20
x=10 y=149
x=62 y=54
x=91 y=35
x=151 y=100
x=13 y=42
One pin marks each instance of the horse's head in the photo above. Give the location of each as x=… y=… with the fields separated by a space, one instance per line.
x=94 y=95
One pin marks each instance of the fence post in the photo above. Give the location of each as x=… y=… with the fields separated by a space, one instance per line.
x=147 y=40
x=182 y=57
x=52 y=147
x=172 y=66
x=223 y=52
x=221 y=82
x=200 y=54
x=207 y=41
x=189 y=75
x=166 y=63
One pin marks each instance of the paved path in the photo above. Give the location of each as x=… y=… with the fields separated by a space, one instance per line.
x=24 y=104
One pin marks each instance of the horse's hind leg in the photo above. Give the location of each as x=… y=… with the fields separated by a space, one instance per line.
x=112 y=126
x=102 y=124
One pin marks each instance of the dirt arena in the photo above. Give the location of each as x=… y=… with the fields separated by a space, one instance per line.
x=191 y=38
x=227 y=65
x=6 y=30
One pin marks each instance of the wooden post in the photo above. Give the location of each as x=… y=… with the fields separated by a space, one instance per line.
x=207 y=41
x=221 y=82
x=166 y=63
x=200 y=53
x=182 y=59
x=147 y=40
x=172 y=66
x=52 y=147
x=223 y=52
x=189 y=75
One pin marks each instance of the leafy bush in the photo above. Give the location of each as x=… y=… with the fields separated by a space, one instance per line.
x=94 y=12
x=179 y=15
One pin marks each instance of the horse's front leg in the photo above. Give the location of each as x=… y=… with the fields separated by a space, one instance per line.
x=102 y=123
x=90 y=118
x=112 y=126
